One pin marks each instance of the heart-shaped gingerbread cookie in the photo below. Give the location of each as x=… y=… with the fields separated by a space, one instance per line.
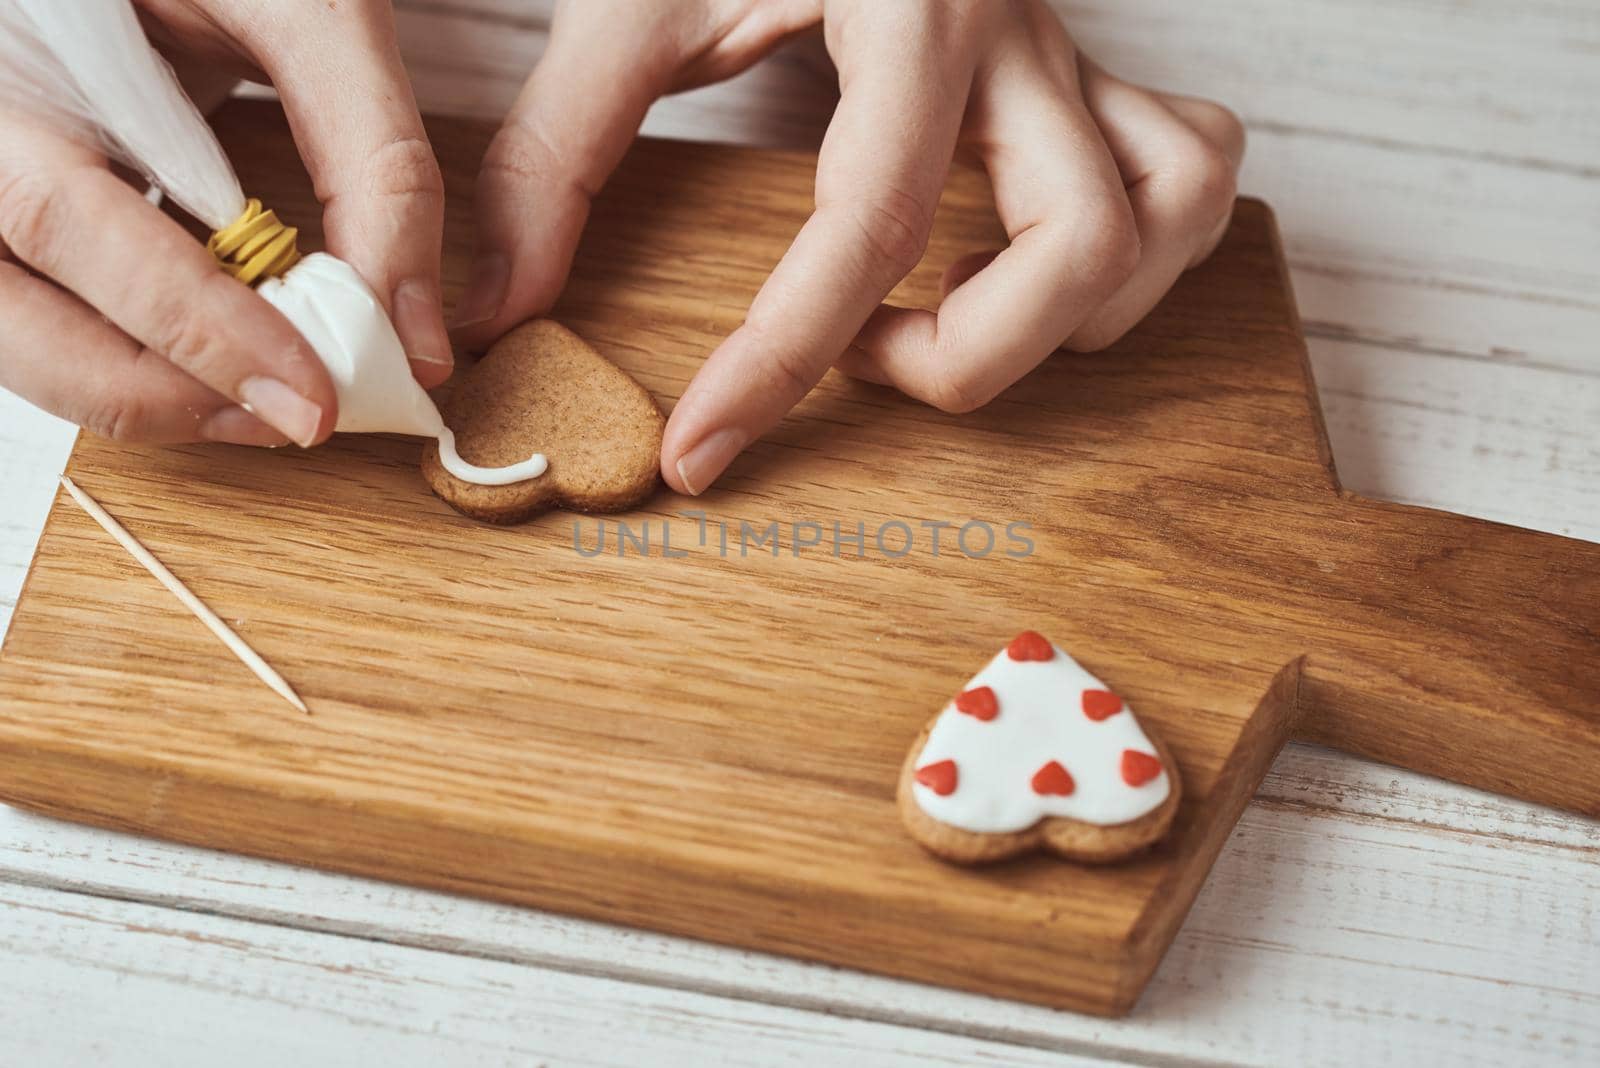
x=542 y=389
x=1036 y=753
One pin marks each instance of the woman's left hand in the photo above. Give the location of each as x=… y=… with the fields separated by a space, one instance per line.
x=1108 y=192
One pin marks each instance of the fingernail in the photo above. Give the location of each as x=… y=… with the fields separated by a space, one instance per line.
x=275 y=403
x=235 y=426
x=419 y=321
x=481 y=300
x=700 y=466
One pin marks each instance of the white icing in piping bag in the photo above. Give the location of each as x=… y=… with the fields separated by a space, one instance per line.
x=330 y=305
x=87 y=70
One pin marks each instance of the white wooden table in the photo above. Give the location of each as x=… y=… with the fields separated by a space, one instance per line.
x=1436 y=172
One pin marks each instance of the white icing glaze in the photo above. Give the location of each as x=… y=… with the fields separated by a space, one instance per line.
x=532 y=467
x=1040 y=719
x=333 y=308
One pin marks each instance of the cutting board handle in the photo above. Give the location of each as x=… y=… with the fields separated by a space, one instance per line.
x=1476 y=654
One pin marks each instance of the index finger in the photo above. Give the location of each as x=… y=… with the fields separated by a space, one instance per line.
x=370 y=160
x=875 y=197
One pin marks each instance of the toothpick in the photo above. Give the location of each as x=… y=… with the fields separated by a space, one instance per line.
x=251 y=658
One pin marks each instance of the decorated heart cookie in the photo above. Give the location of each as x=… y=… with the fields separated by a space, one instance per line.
x=1036 y=753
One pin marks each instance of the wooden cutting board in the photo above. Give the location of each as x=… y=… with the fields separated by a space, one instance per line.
x=707 y=743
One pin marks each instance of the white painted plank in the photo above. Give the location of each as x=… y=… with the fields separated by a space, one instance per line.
x=1433 y=75
x=1393 y=910
x=1469 y=79
x=90 y=981
x=1515 y=444
x=1433 y=165
x=33 y=451
x=475 y=69
x=1491 y=261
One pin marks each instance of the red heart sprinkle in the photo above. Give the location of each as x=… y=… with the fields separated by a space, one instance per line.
x=1053 y=779
x=1101 y=704
x=979 y=703
x=940 y=777
x=1139 y=768
x=1030 y=645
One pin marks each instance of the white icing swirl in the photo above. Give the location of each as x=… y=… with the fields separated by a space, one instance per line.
x=532 y=467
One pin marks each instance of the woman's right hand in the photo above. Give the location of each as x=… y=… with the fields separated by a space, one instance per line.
x=118 y=320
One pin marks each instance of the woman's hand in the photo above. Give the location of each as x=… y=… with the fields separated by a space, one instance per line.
x=1108 y=192
x=118 y=320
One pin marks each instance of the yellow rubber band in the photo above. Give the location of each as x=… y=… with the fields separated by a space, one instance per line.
x=255 y=245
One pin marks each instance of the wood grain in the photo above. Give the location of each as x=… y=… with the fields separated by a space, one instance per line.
x=1180 y=480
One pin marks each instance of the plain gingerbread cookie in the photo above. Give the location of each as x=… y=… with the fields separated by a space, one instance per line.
x=542 y=389
x=1036 y=754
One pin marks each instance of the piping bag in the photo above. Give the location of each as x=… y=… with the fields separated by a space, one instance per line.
x=86 y=68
